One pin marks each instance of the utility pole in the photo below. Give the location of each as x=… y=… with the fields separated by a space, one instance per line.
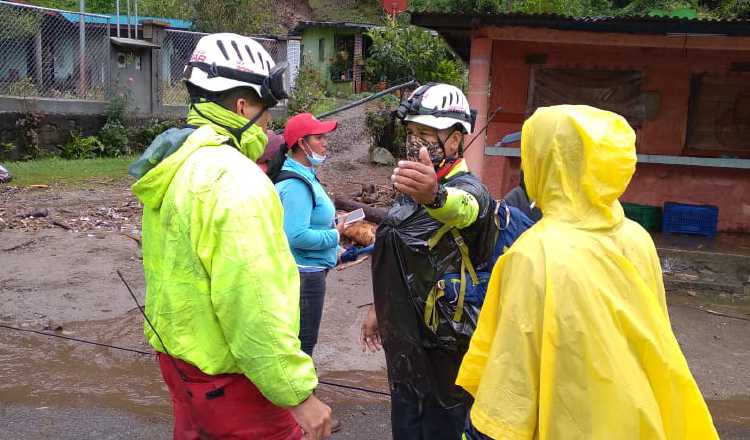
x=117 y=17
x=81 y=50
x=136 y=19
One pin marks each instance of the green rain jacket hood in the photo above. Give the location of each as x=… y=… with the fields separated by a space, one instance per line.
x=222 y=285
x=165 y=160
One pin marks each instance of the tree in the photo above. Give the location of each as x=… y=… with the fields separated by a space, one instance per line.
x=238 y=16
x=587 y=8
x=400 y=52
x=18 y=23
x=167 y=8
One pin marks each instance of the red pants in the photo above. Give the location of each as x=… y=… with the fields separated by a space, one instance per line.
x=226 y=406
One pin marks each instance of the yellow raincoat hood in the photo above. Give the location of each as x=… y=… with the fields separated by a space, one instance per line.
x=597 y=149
x=574 y=340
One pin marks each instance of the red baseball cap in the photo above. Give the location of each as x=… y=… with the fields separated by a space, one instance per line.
x=305 y=124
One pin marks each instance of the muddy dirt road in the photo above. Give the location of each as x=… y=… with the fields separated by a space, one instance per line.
x=82 y=391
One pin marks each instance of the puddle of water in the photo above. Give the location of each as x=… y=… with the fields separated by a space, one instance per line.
x=40 y=371
x=48 y=372
x=43 y=371
x=731 y=417
x=733 y=411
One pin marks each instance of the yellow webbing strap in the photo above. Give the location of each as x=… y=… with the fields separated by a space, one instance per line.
x=435 y=239
x=465 y=259
x=431 y=319
x=430 y=311
x=465 y=265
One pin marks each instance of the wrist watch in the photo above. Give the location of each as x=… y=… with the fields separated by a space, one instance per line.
x=440 y=198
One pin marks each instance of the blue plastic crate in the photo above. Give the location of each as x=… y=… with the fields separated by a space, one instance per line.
x=681 y=218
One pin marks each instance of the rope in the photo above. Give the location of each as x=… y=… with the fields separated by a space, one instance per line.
x=83 y=341
x=349 y=387
x=149 y=353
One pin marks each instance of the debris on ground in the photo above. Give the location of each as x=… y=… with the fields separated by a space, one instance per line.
x=97 y=207
x=5 y=175
x=372 y=214
x=19 y=246
x=381 y=156
x=35 y=213
x=341 y=267
x=380 y=196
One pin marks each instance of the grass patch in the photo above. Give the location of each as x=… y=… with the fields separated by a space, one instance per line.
x=56 y=170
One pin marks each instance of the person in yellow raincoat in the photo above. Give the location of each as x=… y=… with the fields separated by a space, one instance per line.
x=574 y=339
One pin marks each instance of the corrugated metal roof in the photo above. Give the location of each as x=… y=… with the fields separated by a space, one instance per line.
x=131 y=42
x=663 y=18
x=457 y=28
x=645 y=24
x=174 y=23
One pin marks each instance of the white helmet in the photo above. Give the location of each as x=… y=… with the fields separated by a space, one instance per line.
x=221 y=62
x=439 y=106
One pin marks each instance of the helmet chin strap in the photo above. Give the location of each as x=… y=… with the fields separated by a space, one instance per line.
x=446 y=165
x=236 y=132
x=447 y=159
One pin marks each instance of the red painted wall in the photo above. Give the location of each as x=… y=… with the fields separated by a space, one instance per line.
x=667 y=71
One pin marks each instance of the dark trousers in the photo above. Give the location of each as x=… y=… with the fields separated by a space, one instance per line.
x=311 y=299
x=473 y=433
x=424 y=419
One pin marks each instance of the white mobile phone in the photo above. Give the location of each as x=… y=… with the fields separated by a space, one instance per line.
x=352 y=217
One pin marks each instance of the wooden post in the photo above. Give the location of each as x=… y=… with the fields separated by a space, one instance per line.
x=357 y=62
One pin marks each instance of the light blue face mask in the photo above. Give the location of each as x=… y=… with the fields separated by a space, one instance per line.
x=315 y=159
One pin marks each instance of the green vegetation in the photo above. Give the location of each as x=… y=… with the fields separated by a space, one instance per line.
x=239 y=16
x=400 y=52
x=385 y=131
x=580 y=8
x=243 y=16
x=82 y=147
x=309 y=91
x=161 y=8
x=56 y=170
x=261 y=16
x=354 y=11
x=115 y=139
x=18 y=22
x=99 y=6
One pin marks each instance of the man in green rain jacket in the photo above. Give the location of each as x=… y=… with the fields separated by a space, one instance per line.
x=222 y=285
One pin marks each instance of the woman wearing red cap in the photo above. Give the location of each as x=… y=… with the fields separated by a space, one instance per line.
x=308 y=217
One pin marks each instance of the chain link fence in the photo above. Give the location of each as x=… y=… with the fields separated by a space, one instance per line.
x=175 y=53
x=46 y=53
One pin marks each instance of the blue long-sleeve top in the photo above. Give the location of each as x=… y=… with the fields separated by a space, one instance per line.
x=310 y=231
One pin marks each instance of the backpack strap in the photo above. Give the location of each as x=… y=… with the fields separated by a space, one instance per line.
x=286 y=175
x=466 y=265
x=430 y=316
x=430 y=307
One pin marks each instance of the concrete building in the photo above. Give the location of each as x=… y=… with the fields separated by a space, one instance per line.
x=337 y=50
x=683 y=84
